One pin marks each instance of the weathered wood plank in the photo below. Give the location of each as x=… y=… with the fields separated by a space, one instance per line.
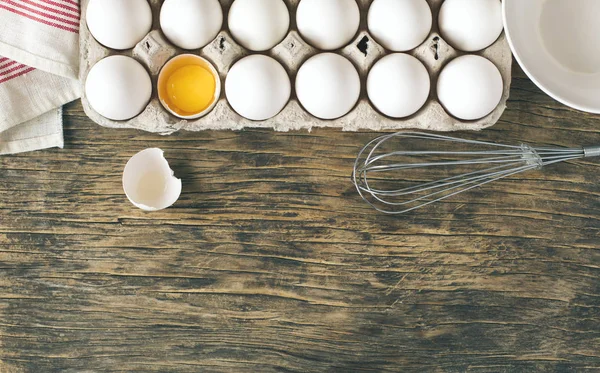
x=270 y=262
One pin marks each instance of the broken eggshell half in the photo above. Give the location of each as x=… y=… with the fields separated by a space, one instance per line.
x=149 y=182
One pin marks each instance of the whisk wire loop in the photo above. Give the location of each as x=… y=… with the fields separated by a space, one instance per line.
x=380 y=174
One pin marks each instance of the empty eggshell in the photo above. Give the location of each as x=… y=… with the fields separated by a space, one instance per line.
x=328 y=24
x=400 y=25
x=470 y=87
x=149 y=182
x=191 y=24
x=259 y=24
x=471 y=25
x=118 y=24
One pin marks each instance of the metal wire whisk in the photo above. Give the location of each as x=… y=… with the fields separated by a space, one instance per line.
x=405 y=171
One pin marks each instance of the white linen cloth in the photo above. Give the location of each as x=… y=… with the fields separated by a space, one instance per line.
x=39 y=63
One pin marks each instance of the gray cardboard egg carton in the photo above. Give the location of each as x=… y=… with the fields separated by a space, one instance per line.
x=223 y=52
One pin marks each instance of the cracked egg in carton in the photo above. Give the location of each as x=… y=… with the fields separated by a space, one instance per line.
x=363 y=51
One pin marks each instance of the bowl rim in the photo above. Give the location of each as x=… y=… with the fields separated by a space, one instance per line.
x=529 y=73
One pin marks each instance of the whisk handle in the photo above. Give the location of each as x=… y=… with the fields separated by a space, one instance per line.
x=591 y=151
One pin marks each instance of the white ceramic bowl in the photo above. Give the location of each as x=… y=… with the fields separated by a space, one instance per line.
x=556 y=42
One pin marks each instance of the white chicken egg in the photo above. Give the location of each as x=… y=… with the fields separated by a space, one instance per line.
x=119 y=24
x=329 y=24
x=328 y=86
x=118 y=87
x=257 y=87
x=259 y=25
x=398 y=85
x=471 y=25
x=470 y=87
x=191 y=24
x=400 y=25
x=149 y=182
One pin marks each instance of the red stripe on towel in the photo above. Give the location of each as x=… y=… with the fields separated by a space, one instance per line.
x=7 y=65
x=60 y=5
x=52 y=10
x=72 y=2
x=41 y=13
x=16 y=75
x=40 y=20
x=12 y=70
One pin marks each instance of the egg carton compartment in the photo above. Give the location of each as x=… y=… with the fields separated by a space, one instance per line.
x=154 y=51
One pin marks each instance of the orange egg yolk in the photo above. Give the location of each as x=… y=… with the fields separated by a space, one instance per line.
x=191 y=88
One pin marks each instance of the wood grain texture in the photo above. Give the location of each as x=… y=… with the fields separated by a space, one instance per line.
x=270 y=262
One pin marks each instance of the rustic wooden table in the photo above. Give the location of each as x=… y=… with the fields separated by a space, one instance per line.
x=270 y=261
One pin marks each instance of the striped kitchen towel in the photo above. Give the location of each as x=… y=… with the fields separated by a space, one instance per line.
x=39 y=62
